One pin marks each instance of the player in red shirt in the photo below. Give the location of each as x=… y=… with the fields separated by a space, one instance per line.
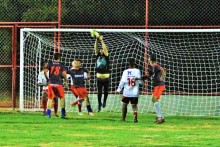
x=78 y=88
x=158 y=73
x=57 y=72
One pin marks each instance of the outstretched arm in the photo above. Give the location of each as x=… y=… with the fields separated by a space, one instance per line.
x=104 y=47
x=96 y=46
x=145 y=77
x=149 y=74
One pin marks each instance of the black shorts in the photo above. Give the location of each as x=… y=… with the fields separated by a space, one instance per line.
x=132 y=100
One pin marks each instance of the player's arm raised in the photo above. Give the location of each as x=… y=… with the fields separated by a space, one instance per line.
x=104 y=47
x=96 y=46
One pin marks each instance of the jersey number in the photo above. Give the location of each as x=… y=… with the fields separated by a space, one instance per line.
x=131 y=82
x=55 y=70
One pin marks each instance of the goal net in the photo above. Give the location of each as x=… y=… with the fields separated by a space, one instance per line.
x=191 y=57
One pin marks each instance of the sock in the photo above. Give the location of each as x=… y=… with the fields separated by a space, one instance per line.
x=55 y=107
x=75 y=102
x=105 y=96
x=135 y=115
x=99 y=98
x=124 y=111
x=48 y=112
x=158 y=109
x=80 y=107
x=44 y=104
x=63 y=112
x=89 y=109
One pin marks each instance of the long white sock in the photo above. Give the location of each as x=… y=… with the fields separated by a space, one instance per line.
x=158 y=109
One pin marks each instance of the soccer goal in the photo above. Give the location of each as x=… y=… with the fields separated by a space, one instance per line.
x=191 y=57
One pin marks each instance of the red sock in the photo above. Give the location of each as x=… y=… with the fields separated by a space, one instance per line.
x=44 y=104
x=80 y=107
x=135 y=115
x=55 y=107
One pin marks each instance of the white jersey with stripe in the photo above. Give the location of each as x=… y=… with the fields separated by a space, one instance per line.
x=131 y=87
x=42 y=79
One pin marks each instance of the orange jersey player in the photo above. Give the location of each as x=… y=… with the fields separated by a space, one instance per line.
x=158 y=73
x=78 y=76
x=57 y=72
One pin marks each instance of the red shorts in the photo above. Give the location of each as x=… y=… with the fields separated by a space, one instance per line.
x=158 y=90
x=55 y=91
x=79 y=92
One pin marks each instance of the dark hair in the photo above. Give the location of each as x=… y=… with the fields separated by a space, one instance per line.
x=57 y=56
x=42 y=63
x=153 y=57
x=131 y=62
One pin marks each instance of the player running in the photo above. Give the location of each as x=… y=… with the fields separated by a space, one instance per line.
x=131 y=89
x=78 y=76
x=57 y=72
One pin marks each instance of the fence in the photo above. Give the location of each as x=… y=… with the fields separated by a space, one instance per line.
x=16 y=14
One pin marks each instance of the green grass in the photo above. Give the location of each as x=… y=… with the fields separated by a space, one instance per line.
x=106 y=129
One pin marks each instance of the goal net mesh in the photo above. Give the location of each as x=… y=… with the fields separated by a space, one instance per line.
x=191 y=59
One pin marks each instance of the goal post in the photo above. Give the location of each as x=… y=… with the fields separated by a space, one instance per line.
x=191 y=57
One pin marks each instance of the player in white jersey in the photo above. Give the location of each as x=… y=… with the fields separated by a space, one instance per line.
x=42 y=81
x=131 y=89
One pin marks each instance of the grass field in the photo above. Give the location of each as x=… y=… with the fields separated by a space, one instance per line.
x=189 y=105
x=106 y=129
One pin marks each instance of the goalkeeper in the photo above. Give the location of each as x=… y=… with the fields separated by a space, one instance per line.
x=158 y=73
x=102 y=71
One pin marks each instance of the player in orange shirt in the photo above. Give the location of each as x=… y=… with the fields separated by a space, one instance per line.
x=57 y=72
x=158 y=73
